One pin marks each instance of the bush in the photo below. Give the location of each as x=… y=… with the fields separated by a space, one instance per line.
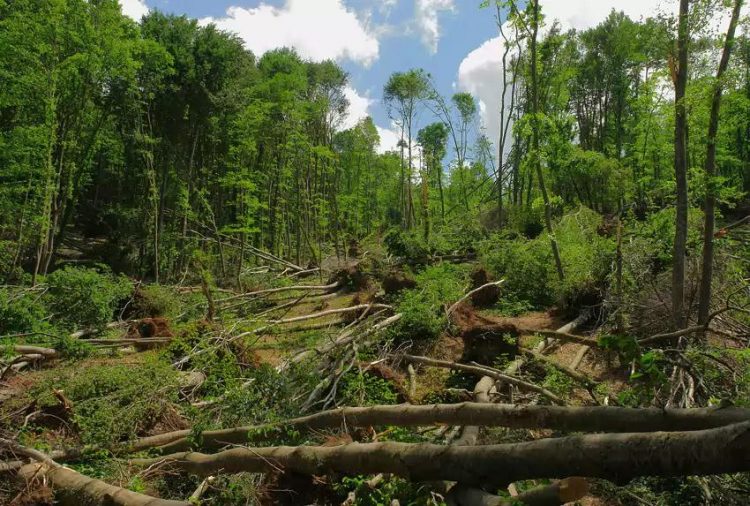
x=423 y=316
x=114 y=403
x=406 y=245
x=84 y=297
x=362 y=389
x=21 y=312
x=529 y=268
x=154 y=301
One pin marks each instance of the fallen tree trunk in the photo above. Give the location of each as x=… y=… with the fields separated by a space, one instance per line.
x=569 y=419
x=555 y=494
x=344 y=339
x=30 y=350
x=269 y=291
x=615 y=457
x=486 y=371
x=322 y=314
x=581 y=378
x=74 y=488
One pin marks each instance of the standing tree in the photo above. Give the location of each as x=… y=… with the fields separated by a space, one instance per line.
x=704 y=302
x=432 y=138
x=403 y=93
x=679 y=76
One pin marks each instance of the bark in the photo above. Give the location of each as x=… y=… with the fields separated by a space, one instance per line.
x=281 y=289
x=360 y=307
x=704 y=300
x=680 y=169
x=567 y=419
x=486 y=371
x=73 y=488
x=615 y=457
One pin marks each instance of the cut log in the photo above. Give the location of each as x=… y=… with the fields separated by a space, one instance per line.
x=615 y=457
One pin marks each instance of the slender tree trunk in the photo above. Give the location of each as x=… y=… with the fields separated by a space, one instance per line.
x=680 y=169
x=535 y=140
x=704 y=302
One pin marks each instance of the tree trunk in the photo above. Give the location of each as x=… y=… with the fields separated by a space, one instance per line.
x=680 y=169
x=704 y=302
x=535 y=140
x=615 y=457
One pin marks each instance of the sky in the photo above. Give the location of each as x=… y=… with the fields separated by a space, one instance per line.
x=454 y=40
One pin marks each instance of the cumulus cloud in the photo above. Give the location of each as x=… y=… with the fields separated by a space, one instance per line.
x=480 y=72
x=389 y=138
x=359 y=107
x=318 y=30
x=427 y=22
x=135 y=9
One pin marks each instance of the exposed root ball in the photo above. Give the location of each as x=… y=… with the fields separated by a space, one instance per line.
x=150 y=327
x=351 y=278
x=487 y=296
x=396 y=281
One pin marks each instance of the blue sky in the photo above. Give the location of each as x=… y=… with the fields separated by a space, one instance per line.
x=454 y=40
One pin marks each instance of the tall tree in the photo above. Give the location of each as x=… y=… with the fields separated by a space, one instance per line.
x=403 y=94
x=680 y=77
x=704 y=301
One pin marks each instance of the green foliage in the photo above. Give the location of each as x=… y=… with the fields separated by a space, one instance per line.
x=422 y=309
x=558 y=382
x=114 y=402
x=154 y=301
x=406 y=245
x=362 y=389
x=84 y=297
x=383 y=495
x=528 y=268
x=21 y=312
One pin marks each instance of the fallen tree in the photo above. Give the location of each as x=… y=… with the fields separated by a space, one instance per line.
x=569 y=419
x=615 y=457
x=555 y=494
x=74 y=488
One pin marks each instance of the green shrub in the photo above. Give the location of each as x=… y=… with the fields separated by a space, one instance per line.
x=153 y=301
x=362 y=389
x=114 y=402
x=529 y=269
x=406 y=245
x=84 y=297
x=422 y=309
x=21 y=312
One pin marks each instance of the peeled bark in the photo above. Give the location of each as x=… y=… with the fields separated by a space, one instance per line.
x=571 y=419
x=615 y=457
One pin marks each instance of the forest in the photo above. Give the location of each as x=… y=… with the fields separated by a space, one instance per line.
x=212 y=292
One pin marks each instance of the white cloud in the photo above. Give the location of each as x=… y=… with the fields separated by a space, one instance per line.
x=480 y=72
x=389 y=138
x=426 y=18
x=318 y=30
x=359 y=107
x=135 y=9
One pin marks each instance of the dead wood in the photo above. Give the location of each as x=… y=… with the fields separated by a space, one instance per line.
x=486 y=371
x=567 y=419
x=74 y=488
x=615 y=457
